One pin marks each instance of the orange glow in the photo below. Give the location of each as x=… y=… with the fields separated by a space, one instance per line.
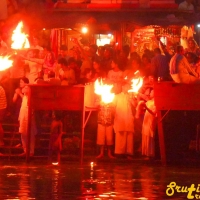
x=55 y=163
x=19 y=38
x=104 y=91
x=136 y=84
x=5 y=63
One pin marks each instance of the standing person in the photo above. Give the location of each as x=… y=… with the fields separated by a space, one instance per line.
x=3 y=105
x=148 y=130
x=107 y=58
x=115 y=76
x=55 y=143
x=17 y=99
x=23 y=124
x=145 y=94
x=37 y=64
x=98 y=71
x=135 y=65
x=124 y=123
x=105 y=130
x=18 y=95
x=63 y=52
x=72 y=64
x=33 y=67
x=160 y=65
x=146 y=67
x=123 y=57
x=87 y=54
x=49 y=63
x=100 y=52
x=35 y=44
x=15 y=73
x=66 y=74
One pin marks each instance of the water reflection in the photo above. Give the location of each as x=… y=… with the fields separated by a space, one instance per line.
x=92 y=181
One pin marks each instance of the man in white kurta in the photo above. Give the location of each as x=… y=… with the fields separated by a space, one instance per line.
x=123 y=123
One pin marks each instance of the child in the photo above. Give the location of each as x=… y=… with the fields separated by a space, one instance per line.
x=105 y=129
x=55 y=144
x=124 y=123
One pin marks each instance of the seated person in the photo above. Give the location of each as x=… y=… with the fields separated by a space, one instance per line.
x=186 y=6
x=180 y=69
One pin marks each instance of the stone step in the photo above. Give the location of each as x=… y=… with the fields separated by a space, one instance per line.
x=43 y=152
x=71 y=142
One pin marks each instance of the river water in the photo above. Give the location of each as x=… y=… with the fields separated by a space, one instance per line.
x=94 y=180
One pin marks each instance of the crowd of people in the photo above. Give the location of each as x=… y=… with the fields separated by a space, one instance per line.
x=84 y=65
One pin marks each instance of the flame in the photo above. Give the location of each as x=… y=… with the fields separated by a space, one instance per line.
x=19 y=38
x=5 y=63
x=104 y=91
x=136 y=83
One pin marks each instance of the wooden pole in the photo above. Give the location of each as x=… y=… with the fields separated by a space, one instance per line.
x=161 y=138
x=29 y=127
x=83 y=127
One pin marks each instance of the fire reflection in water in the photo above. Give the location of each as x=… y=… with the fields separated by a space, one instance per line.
x=22 y=181
x=92 y=181
x=116 y=182
x=56 y=184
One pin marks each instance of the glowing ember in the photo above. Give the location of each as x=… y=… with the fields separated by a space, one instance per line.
x=19 y=38
x=136 y=84
x=5 y=63
x=104 y=91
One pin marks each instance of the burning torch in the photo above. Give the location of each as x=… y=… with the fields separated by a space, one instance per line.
x=137 y=83
x=106 y=109
x=20 y=42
